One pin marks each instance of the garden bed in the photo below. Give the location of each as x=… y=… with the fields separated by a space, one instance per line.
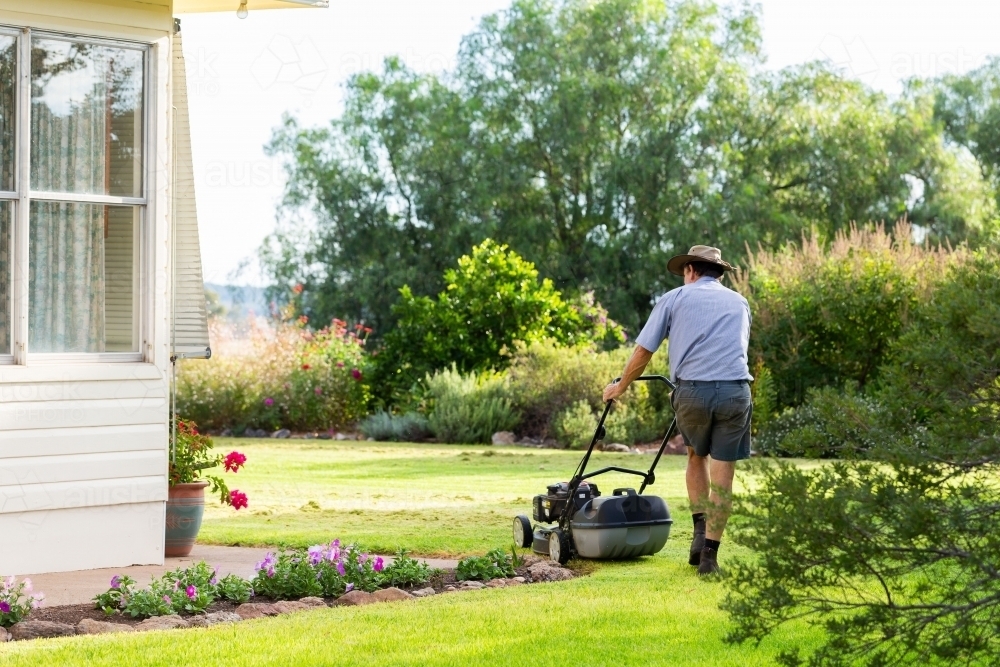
x=81 y=619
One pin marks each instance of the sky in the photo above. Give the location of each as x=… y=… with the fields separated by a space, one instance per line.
x=244 y=74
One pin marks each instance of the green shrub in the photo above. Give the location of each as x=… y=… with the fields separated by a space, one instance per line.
x=468 y=408
x=633 y=419
x=406 y=571
x=891 y=552
x=827 y=315
x=491 y=301
x=287 y=377
x=494 y=565
x=407 y=427
x=829 y=424
x=764 y=397
x=574 y=426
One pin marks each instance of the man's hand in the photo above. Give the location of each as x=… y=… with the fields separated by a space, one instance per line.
x=613 y=391
x=633 y=369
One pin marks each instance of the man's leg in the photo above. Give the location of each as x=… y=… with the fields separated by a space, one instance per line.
x=697 y=478
x=720 y=498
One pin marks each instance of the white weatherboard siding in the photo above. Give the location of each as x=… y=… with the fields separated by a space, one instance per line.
x=83 y=444
x=82 y=468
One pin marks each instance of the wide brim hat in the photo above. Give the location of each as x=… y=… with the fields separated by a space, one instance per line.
x=698 y=253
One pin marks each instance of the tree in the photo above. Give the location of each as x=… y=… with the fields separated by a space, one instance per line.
x=893 y=549
x=596 y=139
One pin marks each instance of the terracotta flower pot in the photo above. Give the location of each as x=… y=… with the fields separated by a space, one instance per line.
x=185 y=507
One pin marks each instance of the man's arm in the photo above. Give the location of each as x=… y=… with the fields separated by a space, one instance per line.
x=633 y=368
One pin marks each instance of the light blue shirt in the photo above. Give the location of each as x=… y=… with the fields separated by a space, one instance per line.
x=708 y=325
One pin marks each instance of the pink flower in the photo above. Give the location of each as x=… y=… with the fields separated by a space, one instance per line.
x=191 y=592
x=37 y=599
x=237 y=499
x=318 y=390
x=355 y=373
x=268 y=402
x=234 y=461
x=166 y=598
x=379 y=564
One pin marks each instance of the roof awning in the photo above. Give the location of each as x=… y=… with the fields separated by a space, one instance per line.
x=199 y=6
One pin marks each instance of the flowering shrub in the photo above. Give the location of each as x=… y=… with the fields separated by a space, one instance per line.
x=17 y=600
x=192 y=453
x=189 y=590
x=287 y=376
x=332 y=570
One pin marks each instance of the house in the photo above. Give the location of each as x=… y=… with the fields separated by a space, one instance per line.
x=100 y=274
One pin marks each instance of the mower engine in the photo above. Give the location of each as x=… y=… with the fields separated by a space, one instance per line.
x=550 y=507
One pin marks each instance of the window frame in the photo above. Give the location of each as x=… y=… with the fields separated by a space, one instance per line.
x=22 y=196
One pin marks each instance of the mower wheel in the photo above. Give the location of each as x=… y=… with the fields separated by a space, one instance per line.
x=559 y=547
x=522 y=531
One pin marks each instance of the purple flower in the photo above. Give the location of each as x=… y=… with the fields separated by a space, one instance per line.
x=191 y=592
x=350 y=587
x=362 y=559
x=267 y=563
x=116 y=581
x=316 y=554
x=379 y=564
x=27 y=585
x=4 y=607
x=268 y=402
x=340 y=568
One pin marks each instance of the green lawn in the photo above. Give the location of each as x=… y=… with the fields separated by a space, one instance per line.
x=438 y=500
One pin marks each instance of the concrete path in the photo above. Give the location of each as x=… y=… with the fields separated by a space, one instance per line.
x=80 y=586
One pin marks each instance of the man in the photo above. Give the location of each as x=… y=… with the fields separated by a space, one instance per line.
x=709 y=329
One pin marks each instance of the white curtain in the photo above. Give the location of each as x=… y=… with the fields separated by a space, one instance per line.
x=66 y=241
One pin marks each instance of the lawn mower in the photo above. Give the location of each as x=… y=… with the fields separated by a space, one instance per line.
x=625 y=524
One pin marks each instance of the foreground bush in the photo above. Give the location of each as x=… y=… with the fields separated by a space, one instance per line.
x=282 y=377
x=827 y=315
x=470 y=407
x=491 y=301
x=893 y=549
x=552 y=387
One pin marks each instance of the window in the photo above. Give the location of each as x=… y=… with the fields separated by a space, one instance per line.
x=72 y=185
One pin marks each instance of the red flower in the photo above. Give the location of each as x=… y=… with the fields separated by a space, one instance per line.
x=234 y=461
x=298 y=288
x=340 y=364
x=237 y=499
x=306 y=367
x=356 y=374
x=303 y=319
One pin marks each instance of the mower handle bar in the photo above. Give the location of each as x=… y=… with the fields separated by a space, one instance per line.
x=648 y=477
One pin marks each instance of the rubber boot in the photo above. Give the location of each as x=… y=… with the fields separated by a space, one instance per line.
x=698 y=543
x=709 y=562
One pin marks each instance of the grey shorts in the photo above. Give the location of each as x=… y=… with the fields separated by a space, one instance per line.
x=714 y=417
